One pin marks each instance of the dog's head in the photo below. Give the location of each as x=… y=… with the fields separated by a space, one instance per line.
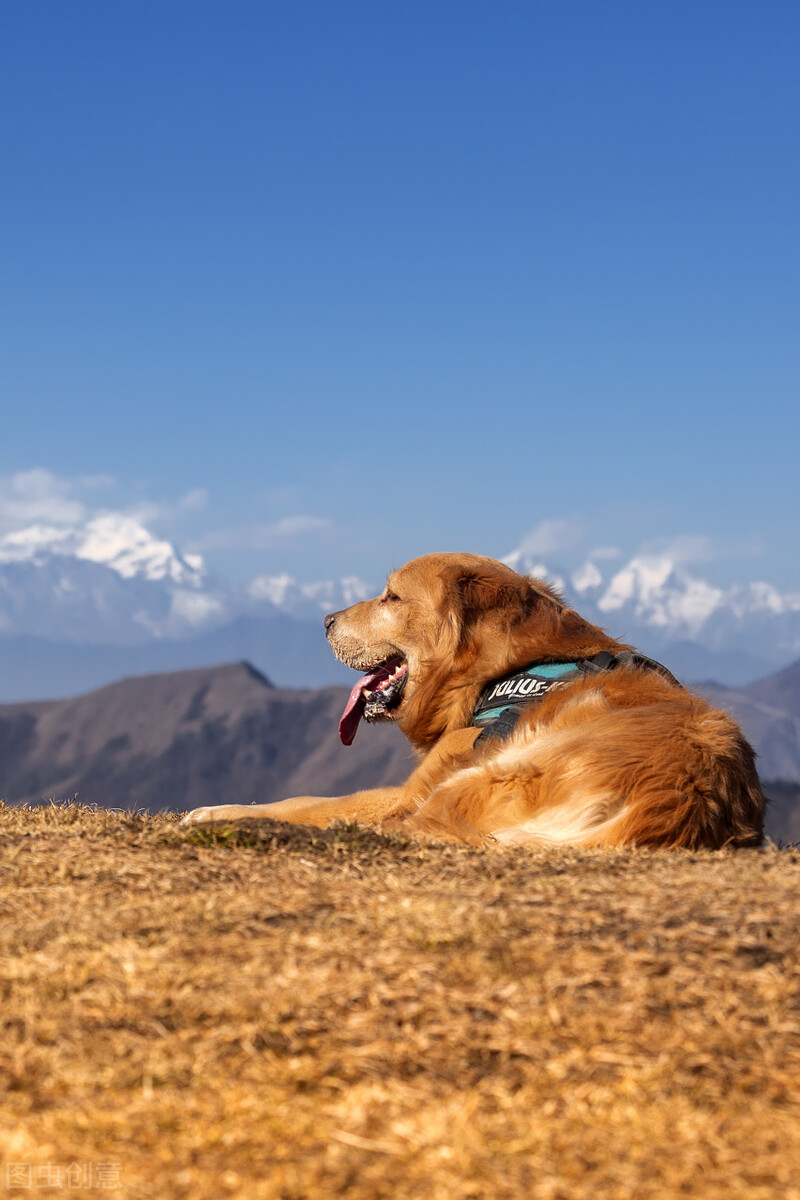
x=443 y=627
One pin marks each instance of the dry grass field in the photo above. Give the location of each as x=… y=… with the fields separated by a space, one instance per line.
x=293 y=1014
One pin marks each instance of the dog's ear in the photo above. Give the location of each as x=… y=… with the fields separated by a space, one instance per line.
x=481 y=592
x=504 y=616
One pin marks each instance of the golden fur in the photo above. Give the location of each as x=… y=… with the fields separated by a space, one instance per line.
x=624 y=758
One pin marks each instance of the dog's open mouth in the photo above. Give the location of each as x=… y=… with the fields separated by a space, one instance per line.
x=374 y=696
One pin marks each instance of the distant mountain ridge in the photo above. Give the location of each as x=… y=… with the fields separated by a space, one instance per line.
x=188 y=738
x=80 y=606
x=769 y=712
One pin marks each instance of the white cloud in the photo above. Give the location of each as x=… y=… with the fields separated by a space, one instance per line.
x=285 y=531
x=22 y=545
x=146 y=511
x=195 y=500
x=195 y=608
x=278 y=534
x=552 y=536
x=30 y=497
x=275 y=588
x=683 y=549
x=290 y=527
x=321 y=595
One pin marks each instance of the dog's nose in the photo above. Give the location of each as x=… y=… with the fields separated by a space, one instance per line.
x=331 y=617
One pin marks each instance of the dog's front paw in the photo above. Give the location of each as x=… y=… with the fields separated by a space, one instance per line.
x=198 y=816
x=215 y=814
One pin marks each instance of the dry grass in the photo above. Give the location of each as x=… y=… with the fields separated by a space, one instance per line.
x=295 y=1014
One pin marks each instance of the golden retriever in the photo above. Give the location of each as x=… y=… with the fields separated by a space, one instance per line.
x=531 y=724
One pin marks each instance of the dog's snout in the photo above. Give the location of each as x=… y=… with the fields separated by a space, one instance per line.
x=331 y=617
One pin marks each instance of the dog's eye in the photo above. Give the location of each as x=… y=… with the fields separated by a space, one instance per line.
x=391 y=596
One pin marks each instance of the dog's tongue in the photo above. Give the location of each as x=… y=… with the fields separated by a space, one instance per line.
x=354 y=709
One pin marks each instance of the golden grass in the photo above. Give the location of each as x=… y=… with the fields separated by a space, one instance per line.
x=293 y=1014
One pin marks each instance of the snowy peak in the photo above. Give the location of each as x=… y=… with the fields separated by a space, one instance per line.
x=655 y=596
x=666 y=595
x=586 y=578
x=114 y=540
x=107 y=580
x=111 y=579
x=122 y=543
x=662 y=595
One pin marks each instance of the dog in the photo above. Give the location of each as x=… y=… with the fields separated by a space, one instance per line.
x=531 y=724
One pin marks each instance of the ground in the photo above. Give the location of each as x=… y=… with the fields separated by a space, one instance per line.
x=288 y=1013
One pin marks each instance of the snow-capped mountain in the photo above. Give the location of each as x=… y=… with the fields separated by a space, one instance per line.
x=654 y=601
x=112 y=581
x=114 y=540
x=109 y=580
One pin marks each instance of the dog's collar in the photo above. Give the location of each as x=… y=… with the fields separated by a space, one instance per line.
x=501 y=701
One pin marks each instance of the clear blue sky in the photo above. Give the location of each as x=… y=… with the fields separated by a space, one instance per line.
x=421 y=274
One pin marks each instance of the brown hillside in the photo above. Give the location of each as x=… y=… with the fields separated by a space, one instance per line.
x=188 y=738
x=769 y=713
x=289 y=1014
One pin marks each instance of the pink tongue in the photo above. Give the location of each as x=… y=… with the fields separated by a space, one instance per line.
x=354 y=709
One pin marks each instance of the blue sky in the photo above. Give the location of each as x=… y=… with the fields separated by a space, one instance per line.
x=320 y=286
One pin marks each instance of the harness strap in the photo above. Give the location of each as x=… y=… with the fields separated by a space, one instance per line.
x=501 y=702
x=632 y=658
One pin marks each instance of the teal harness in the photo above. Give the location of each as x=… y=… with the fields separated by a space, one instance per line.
x=501 y=702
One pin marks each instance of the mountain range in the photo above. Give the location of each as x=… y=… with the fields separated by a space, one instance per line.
x=732 y=635
x=83 y=605
x=769 y=712
x=226 y=735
